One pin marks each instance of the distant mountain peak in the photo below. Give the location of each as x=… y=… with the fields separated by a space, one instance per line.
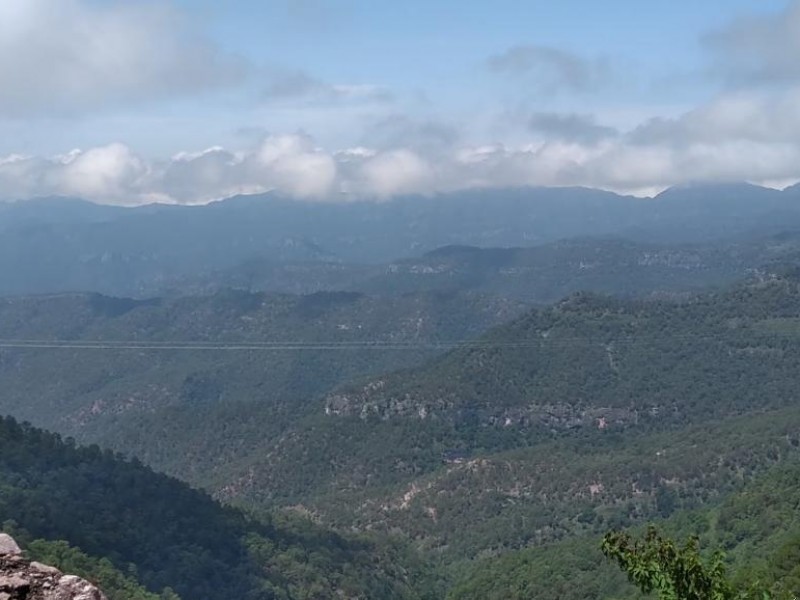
x=453 y=250
x=713 y=186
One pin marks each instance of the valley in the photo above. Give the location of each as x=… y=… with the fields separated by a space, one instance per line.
x=469 y=408
x=358 y=300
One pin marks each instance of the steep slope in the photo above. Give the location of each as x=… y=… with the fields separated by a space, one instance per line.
x=583 y=406
x=756 y=525
x=172 y=535
x=181 y=383
x=587 y=383
x=638 y=361
x=591 y=413
x=59 y=554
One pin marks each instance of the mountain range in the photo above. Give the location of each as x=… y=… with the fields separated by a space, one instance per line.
x=62 y=244
x=424 y=398
x=568 y=420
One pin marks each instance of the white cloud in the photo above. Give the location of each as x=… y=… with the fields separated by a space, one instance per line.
x=110 y=174
x=756 y=116
x=76 y=56
x=292 y=164
x=395 y=172
x=759 y=49
x=738 y=136
x=107 y=172
x=196 y=177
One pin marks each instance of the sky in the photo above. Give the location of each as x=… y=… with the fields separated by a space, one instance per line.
x=189 y=101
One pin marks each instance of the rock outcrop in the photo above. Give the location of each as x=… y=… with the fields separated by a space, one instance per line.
x=21 y=579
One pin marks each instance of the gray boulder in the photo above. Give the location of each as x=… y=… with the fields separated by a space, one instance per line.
x=21 y=579
x=8 y=545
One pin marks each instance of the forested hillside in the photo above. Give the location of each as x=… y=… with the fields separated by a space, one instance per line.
x=168 y=535
x=176 y=382
x=538 y=274
x=593 y=413
x=554 y=424
x=756 y=526
x=58 y=244
x=420 y=300
x=634 y=361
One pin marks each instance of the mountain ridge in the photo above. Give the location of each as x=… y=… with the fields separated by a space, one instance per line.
x=140 y=251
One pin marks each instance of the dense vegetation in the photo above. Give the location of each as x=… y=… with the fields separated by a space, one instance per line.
x=629 y=360
x=657 y=565
x=588 y=389
x=538 y=274
x=101 y=571
x=185 y=411
x=546 y=273
x=757 y=528
x=586 y=415
x=170 y=536
x=210 y=417
x=503 y=460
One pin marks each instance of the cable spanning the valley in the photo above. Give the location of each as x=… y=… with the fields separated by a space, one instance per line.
x=262 y=346
x=356 y=345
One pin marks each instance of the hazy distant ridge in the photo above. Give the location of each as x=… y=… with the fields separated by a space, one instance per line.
x=66 y=244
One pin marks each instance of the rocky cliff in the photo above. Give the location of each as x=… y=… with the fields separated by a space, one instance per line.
x=21 y=579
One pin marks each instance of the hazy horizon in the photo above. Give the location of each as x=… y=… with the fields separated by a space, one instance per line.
x=188 y=102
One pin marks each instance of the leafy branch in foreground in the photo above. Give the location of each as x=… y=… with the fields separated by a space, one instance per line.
x=657 y=564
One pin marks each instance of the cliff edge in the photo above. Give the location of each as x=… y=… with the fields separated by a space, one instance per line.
x=21 y=579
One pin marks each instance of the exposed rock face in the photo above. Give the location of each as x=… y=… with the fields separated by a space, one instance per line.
x=8 y=545
x=24 y=580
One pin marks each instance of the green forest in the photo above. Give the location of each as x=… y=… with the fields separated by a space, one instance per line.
x=487 y=468
x=753 y=532
x=117 y=522
x=176 y=542
x=419 y=300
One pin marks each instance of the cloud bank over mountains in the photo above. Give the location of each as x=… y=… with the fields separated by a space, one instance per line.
x=98 y=56
x=704 y=145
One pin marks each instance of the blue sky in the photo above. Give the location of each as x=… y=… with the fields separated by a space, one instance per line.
x=191 y=100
